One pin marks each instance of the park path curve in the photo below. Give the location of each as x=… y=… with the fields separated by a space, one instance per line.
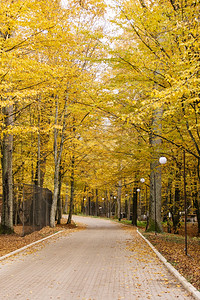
x=102 y=262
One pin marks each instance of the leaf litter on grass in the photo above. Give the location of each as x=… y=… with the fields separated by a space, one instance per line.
x=12 y=242
x=172 y=247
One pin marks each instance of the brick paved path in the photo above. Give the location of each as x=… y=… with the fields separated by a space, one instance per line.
x=103 y=262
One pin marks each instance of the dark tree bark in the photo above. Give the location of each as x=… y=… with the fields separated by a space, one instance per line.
x=7 y=176
x=96 y=203
x=175 y=211
x=59 y=204
x=197 y=208
x=129 y=208
x=196 y=200
x=134 y=217
x=119 y=192
x=71 y=191
x=89 y=205
x=197 y=205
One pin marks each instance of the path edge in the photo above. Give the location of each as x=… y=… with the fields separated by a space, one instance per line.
x=28 y=246
x=188 y=286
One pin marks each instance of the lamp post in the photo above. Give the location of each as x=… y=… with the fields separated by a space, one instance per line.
x=185 y=202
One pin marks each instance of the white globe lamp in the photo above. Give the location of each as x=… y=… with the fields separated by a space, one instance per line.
x=162 y=160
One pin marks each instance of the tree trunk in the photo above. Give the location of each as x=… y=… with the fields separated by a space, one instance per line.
x=134 y=217
x=57 y=160
x=37 y=172
x=166 y=203
x=59 y=204
x=7 y=177
x=43 y=139
x=175 y=210
x=106 y=204
x=139 y=207
x=155 y=198
x=155 y=176
x=119 y=200
x=196 y=203
x=66 y=200
x=89 y=204
x=71 y=204
x=197 y=208
x=96 y=203
x=72 y=191
x=129 y=208
x=55 y=196
x=110 y=205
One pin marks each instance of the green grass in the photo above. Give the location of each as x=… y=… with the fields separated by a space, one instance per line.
x=124 y=221
x=169 y=237
x=129 y=222
x=141 y=224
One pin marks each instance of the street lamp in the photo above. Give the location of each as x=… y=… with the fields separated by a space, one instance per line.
x=162 y=160
x=142 y=180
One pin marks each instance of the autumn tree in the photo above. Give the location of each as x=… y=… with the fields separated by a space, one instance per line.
x=154 y=54
x=22 y=26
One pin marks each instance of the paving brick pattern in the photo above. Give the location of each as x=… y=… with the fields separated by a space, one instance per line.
x=103 y=262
